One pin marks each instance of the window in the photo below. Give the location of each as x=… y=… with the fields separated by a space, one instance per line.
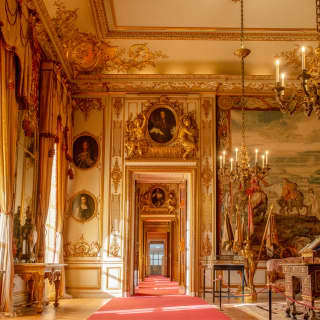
x=53 y=239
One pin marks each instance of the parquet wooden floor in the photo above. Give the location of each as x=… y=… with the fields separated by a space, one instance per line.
x=69 y=309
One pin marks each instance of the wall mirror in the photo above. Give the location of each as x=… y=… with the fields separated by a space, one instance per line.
x=26 y=177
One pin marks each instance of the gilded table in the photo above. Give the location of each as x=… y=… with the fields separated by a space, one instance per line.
x=34 y=275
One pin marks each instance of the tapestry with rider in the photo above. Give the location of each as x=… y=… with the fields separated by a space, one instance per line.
x=292 y=186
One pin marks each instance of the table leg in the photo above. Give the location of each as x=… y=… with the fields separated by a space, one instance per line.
x=242 y=291
x=228 y=284
x=204 y=283
x=57 y=282
x=40 y=288
x=214 y=285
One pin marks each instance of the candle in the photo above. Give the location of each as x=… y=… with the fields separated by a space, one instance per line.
x=262 y=161
x=282 y=79
x=267 y=152
x=257 y=155
x=237 y=154
x=303 y=57
x=277 y=71
x=220 y=161
x=231 y=163
x=224 y=158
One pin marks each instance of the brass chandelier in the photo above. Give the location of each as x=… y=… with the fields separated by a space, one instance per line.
x=310 y=81
x=239 y=169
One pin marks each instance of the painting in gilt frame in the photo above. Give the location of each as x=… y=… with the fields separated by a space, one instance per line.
x=83 y=206
x=85 y=151
x=158 y=197
x=162 y=124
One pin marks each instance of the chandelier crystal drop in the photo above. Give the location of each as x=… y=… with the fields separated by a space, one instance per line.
x=309 y=94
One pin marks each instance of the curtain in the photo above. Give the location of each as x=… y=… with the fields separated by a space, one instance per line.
x=49 y=108
x=8 y=140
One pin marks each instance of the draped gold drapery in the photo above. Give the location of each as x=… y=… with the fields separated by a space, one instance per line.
x=49 y=109
x=55 y=115
x=8 y=141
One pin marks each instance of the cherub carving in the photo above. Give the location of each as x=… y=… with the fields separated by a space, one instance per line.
x=188 y=136
x=135 y=129
x=172 y=203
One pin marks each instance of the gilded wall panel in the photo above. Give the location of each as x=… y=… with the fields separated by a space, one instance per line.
x=207 y=107
x=116 y=177
x=83 y=237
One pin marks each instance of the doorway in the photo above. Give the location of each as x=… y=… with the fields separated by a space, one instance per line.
x=154 y=224
x=156 y=259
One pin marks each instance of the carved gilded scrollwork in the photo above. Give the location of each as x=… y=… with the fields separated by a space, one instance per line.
x=207 y=175
x=87 y=53
x=117 y=106
x=81 y=248
x=116 y=175
x=86 y=105
x=162 y=130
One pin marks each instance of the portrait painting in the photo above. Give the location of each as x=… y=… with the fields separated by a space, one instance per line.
x=158 y=197
x=162 y=125
x=85 y=151
x=83 y=206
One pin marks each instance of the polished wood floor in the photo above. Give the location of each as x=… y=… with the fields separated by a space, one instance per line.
x=69 y=309
x=81 y=309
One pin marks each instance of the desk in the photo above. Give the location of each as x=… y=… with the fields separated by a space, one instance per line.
x=34 y=275
x=227 y=267
x=307 y=277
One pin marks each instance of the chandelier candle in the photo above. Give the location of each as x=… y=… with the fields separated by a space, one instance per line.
x=277 y=71
x=303 y=57
x=257 y=155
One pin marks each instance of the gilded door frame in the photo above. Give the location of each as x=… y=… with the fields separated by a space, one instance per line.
x=193 y=186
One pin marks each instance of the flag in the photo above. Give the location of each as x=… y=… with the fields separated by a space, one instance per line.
x=272 y=235
x=250 y=218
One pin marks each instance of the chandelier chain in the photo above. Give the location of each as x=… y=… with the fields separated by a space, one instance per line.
x=242 y=101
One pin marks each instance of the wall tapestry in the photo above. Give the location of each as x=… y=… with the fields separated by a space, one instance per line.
x=293 y=185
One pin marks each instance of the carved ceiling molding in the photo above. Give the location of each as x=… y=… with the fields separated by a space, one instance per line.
x=48 y=37
x=107 y=28
x=219 y=84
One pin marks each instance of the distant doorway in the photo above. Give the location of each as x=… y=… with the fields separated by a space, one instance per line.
x=156 y=257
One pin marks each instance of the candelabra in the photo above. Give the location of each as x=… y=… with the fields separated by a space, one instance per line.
x=241 y=171
x=309 y=96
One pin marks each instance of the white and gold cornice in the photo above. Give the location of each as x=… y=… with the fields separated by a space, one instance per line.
x=176 y=83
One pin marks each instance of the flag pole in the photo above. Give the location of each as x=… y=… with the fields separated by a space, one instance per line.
x=265 y=231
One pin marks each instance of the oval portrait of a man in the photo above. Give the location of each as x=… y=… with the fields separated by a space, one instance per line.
x=83 y=206
x=85 y=151
x=158 y=197
x=162 y=125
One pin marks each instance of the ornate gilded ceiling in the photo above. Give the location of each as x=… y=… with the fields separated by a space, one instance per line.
x=170 y=45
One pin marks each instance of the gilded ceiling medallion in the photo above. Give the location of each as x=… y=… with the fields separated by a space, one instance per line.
x=88 y=54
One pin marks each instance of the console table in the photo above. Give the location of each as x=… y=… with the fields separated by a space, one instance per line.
x=308 y=278
x=34 y=275
x=227 y=267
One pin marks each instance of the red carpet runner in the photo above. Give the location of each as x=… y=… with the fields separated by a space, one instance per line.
x=160 y=302
x=157 y=285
